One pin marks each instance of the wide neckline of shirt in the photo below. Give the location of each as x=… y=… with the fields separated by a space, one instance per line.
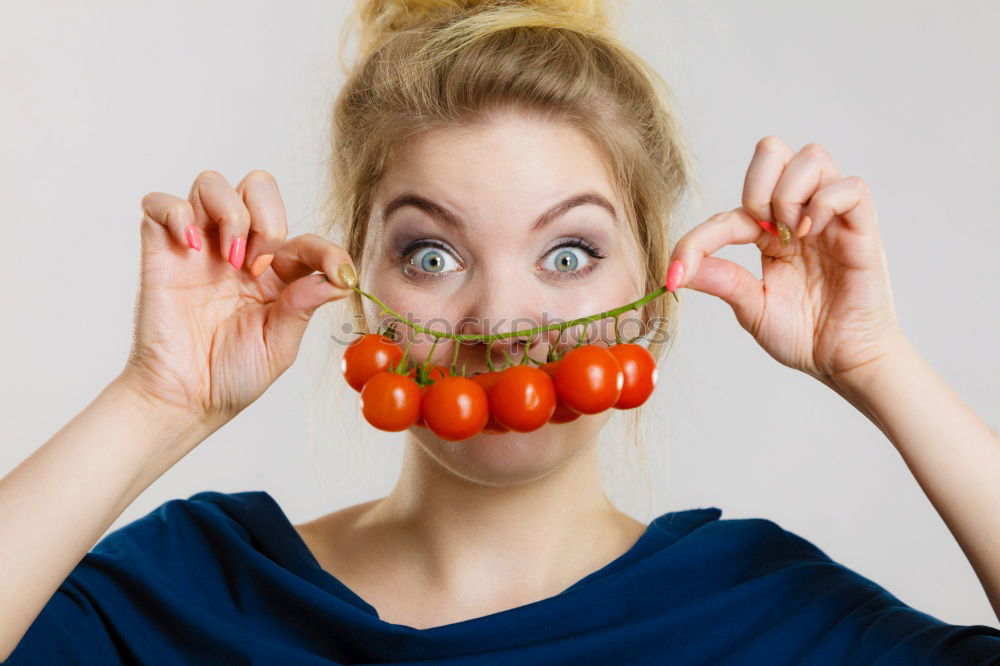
x=296 y=557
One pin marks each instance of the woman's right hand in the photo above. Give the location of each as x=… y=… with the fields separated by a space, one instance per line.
x=209 y=336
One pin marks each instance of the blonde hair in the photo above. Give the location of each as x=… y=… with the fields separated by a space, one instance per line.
x=426 y=64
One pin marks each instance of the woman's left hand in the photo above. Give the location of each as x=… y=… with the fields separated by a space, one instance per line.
x=824 y=304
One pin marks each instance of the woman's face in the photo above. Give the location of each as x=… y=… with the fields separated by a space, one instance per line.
x=471 y=249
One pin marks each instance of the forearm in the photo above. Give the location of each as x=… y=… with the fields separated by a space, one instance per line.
x=59 y=501
x=952 y=452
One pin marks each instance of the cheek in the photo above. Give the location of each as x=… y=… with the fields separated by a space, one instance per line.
x=418 y=306
x=618 y=284
x=415 y=302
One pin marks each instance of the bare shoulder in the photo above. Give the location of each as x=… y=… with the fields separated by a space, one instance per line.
x=321 y=534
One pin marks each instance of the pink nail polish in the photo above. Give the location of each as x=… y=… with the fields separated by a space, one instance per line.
x=768 y=226
x=237 y=251
x=193 y=237
x=675 y=275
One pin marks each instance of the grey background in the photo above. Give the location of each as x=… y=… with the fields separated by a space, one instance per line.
x=105 y=104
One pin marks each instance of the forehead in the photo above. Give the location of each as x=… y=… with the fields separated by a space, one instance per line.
x=515 y=161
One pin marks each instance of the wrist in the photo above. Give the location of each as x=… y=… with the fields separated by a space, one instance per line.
x=874 y=386
x=861 y=381
x=164 y=426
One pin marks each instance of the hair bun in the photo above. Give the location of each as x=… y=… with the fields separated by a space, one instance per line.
x=380 y=19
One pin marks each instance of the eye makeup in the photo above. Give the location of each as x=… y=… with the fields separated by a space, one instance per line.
x=404 y=256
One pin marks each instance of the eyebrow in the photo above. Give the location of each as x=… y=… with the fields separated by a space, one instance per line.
x=444 y=215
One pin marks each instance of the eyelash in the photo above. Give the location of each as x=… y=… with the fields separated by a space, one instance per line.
x=592 y=250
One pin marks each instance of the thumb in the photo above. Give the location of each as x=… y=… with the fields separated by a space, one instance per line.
x=293 y=309
x=733 y=284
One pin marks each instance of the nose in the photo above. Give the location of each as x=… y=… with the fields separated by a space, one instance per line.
x=494 y=307
x=475 y=352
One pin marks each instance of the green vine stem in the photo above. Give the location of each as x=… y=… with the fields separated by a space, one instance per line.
x=634 y=305
x=490 y=339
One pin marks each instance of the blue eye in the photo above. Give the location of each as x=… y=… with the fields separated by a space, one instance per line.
x=431 y=259
x=566 y=260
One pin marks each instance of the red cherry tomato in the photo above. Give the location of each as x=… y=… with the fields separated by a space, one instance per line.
x=434 y=372
x=523 y=398
x=639 y=369
x=367 y=356
x=390 y=401
x=487 y=380
x=562 y=413
x=420 y=419
x=589 y=379
x=455 y=408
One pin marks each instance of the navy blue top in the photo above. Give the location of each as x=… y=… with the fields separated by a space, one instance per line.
x=225 y=579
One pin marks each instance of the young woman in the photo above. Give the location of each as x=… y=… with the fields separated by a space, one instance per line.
x=493 y=162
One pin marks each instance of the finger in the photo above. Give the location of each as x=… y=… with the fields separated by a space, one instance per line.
x=175 y=215
x=727 y=280
x=808 y=171
x=291 y=312
x=848 y=199
x=309 y=252
x=734 y=284
x=214 y=200
x=768 y=163
x=268 y=225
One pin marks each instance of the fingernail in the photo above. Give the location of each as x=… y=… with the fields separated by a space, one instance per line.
x=804 y=226
x=237 y=251
x=784 y=233
x=260 y=263
x=675 y=274
x=768 y=227
x=193 y=237
x=347 y=275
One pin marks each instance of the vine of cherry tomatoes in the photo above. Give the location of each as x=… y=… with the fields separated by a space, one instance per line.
x=588 y=379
